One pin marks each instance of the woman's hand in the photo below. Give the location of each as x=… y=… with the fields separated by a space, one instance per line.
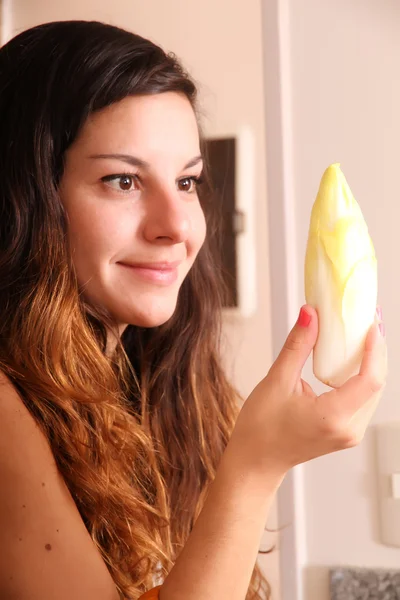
x=283 y=422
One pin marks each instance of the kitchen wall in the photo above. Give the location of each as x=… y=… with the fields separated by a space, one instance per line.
x=344 y=96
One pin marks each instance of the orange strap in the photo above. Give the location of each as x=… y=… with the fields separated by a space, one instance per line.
x=151 y=594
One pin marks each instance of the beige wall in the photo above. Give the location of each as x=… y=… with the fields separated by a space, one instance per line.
x=221 y=44
x=345 y=99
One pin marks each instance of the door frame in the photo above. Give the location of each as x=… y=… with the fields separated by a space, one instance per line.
x=283 y=263
x=5 y=21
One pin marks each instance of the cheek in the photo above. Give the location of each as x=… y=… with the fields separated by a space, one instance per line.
x=199 y=230
x=97 y=233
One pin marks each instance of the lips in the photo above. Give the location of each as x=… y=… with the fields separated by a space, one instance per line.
x=162 y=273
x=156 y=266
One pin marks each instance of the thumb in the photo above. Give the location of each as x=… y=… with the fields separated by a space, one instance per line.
x=374 y=362
x=299 y=343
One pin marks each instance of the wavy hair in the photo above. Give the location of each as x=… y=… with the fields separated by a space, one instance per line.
x=137 y=436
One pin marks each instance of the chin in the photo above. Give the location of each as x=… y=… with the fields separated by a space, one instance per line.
x=149 y=318
x=149 y=322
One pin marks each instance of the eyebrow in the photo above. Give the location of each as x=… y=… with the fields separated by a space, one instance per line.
x=134 y=161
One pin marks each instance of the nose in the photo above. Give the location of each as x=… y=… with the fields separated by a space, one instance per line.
x=167 y=217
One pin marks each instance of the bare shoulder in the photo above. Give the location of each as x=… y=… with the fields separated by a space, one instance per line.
x=15 y=420
x=46 y=550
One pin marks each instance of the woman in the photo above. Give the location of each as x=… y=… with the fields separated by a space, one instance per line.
x=123 y=455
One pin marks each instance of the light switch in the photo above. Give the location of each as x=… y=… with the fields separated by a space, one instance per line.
x=388 y=455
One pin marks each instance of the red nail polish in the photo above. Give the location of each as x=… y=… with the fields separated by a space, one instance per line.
x=304 y=318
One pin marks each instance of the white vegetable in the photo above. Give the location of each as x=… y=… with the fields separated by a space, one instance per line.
x=340 y=279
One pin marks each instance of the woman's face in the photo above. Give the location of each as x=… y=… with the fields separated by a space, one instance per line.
x=129 y=190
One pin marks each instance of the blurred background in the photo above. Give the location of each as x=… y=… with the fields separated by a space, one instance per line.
x=314 y=82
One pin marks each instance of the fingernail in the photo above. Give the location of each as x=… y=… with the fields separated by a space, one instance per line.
x=382 y=329
x=379 y=312
x=304 y=318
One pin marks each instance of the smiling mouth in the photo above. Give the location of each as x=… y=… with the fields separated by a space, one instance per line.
x=161 y=273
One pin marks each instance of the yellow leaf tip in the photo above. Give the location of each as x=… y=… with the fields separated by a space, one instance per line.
x=334 y=168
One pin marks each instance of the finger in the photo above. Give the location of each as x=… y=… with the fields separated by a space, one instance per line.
x=365 y=386
x=297 y=348
x=374 y=362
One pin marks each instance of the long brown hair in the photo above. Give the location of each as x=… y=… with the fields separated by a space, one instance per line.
x=137 y=436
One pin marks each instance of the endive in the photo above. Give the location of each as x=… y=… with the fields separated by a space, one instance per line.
x=340 y=279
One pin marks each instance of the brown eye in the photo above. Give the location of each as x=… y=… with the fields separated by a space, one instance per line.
x=121 y=183
x=188 y=184
x=125 y=183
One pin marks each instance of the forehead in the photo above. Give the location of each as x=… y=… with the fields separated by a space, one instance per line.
x=150 y=125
